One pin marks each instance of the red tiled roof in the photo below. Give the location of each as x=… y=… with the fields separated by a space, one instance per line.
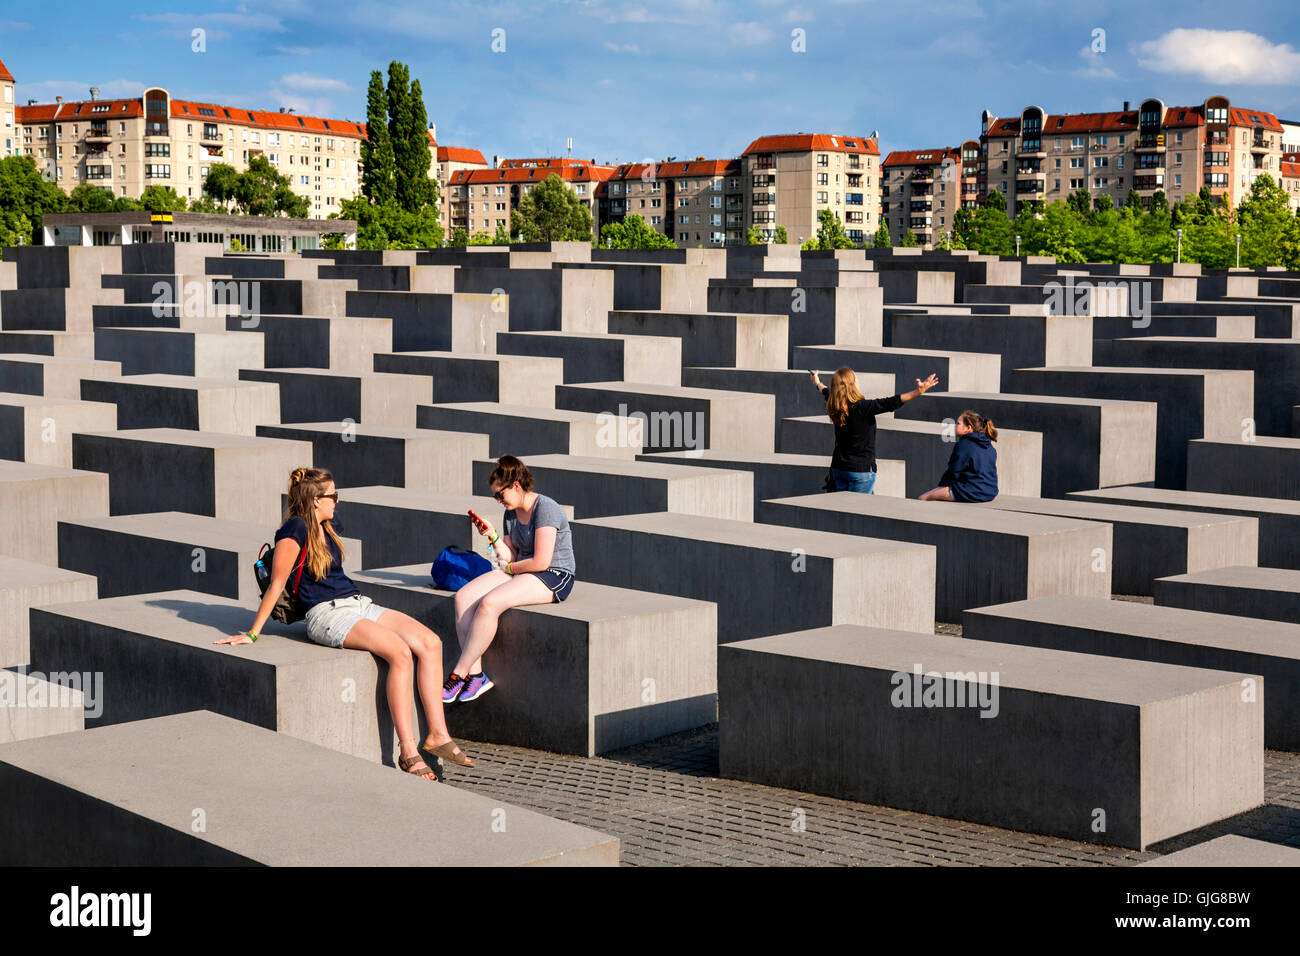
x=4 y=72
x=534 y=174
x=1291 y=157
x=460 y=154
x=1291 y=170
x=546 y=161
x=806 y=142
x=84 y=110
x=1118 y=121
x=912 y=157
x=677 y=170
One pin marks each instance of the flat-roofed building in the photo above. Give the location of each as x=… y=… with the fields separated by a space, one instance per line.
x=452 y=159
x=697 y=202
x=921 y=190
x=789 y=179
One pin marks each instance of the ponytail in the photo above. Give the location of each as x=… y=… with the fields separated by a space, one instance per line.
x=978 y=423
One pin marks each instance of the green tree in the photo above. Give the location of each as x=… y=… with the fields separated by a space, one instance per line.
x=1265 y=219
x=882 y=235
x=963 y=228
x=459 y=237
x=1133 y=202
x=633 y=233
x=1080 y=201
x=908 y=240
x=830 y=232
x=162 y=199
x=1159 y=201
x=991 y=230
x=221 y=184
x=1052 y=232
x=780 y=236
x=90 y=198
x=25 y=197
x=207 y=204
x=753 y=237
x=502 y=237
x=377 y=183
x=262 y=191
x=551 y=212
x=481 y=239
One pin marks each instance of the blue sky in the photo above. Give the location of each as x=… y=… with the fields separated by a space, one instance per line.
x=635 y=79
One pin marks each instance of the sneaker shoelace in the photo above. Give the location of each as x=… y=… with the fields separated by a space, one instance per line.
x=452 y=681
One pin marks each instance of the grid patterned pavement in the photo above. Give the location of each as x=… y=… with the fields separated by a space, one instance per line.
x=668 y=807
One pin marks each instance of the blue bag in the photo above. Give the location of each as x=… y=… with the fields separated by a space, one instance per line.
x=455 y=567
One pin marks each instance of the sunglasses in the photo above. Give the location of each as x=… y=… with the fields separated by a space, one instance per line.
x=499 y=496
x=332 y=496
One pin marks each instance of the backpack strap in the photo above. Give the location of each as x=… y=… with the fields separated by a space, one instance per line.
x=302 y=558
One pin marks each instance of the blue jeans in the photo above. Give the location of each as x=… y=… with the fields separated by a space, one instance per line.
x=862 y=481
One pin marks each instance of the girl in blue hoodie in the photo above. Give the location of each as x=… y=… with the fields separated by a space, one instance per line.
x=972 y=473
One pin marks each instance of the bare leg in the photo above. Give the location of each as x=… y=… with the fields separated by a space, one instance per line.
x=520 y=590
x=467 y=602
x=427 y=648
x=382 y=642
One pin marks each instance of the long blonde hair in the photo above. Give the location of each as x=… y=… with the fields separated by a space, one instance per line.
x=843 y=392
x=305 y=485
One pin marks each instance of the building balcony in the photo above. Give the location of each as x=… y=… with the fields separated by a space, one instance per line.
x=156 y=129
x=1029 y=187
x=1031 y=151
x=210 y=140
x=1216 y=139
x=923 y=175
x=922 y=206
x=98 y=134
x=1150 y=144
x=1259 y=145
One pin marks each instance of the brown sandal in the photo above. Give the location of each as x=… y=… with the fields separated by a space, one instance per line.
x=412 y=764
x=449 y=753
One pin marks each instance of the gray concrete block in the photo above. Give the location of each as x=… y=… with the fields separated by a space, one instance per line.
x=423 y=322
x=182 y=401
x=78 y=345
x=573 y=677
x=1125 y=630
x=555 y=298
x=821 y=315
x=417 y=458
x=677 y=417
x=784 y=476
x=1230 y=850
x=472 y=377
x=1272 y=319
x=32 y=707
x=316 y=394
x=172 y=550
x=340 y=344
x=643 y=285
x=34 y=498
x=602 y=358
x=128 y=790
x=765 y=579
x=25 y=585
x=957 y=371
x=1191 y=403
x=179 y=352
x=227 y=476
x=55 y=309
x=1261 y=467
x=1275 y=362
x=922 y=447
x=524 y=430
x=599 y=487
x=980 y=553
x=1158 y=749
x=1201 y=326
x=51 y=376
x=1242 y=590
x=1153 y=542
x=732 y=340
x=1087 y=442
x=1023 y=341
x=791 y=389
x=39 y=430
x=1279 y=519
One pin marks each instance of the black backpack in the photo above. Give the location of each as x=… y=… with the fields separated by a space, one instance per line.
x=287 y=610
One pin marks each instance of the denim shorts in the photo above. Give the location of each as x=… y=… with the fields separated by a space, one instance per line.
x=558 y=580
x=329 y=622
x=861 y=481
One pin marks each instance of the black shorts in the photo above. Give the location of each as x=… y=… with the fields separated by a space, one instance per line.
x=558 y=580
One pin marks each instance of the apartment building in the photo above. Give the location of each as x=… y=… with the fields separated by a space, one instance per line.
x=1290 y=178
x=479 y=200
x=1037 y=158
x=9 y=133
x=698 y=202
x=789 y=179
x=1290 y=136
x=450 y=160
x=921 y=189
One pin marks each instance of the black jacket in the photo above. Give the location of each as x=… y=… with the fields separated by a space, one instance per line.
x=855 y=440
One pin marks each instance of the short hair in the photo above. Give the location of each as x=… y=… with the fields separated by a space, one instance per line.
x=510 y=469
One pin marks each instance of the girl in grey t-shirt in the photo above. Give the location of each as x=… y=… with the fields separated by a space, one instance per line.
x=535 y=565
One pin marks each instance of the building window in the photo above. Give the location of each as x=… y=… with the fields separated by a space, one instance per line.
x=822 y=179
x=823 y=159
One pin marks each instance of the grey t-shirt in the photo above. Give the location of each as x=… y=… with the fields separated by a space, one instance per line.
x=546 y=513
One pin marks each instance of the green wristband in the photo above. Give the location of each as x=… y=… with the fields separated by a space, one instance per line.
x=253 y=635
x=508 y=571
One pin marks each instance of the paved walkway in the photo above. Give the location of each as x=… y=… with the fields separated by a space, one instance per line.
x=666 y=804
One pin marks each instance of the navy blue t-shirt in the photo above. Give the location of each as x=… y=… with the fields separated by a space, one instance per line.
x=313 y=591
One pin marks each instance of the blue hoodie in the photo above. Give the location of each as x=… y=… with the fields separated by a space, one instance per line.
x=972 y=473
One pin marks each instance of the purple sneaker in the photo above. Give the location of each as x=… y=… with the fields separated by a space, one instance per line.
x=452 y=688
x=475 y=687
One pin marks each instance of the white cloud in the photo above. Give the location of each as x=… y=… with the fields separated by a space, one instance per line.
x=305 y=81
x=623 y=48
x=1094 y=67
x=292 y=99
x=749 y=33
x=798 y=15
x=295 y=50
x=1221 y=56
x=241 y=19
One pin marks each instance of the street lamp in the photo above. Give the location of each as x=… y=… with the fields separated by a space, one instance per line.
x=1238 y=250
x=1179 y=233
x=1017 y=247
